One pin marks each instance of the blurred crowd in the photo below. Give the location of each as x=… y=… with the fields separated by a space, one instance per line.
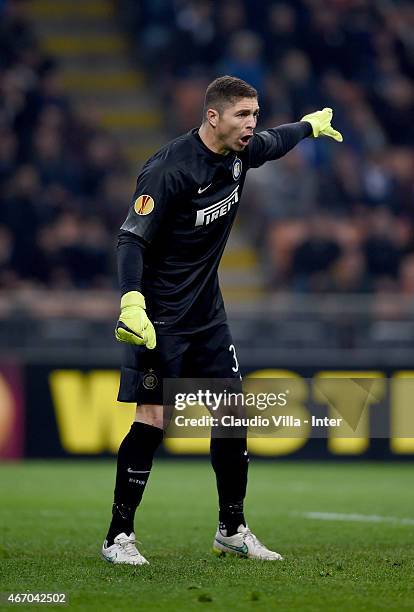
x=327 y=217
x=62 y=178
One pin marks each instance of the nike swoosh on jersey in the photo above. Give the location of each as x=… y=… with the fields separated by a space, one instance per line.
x=200 y=190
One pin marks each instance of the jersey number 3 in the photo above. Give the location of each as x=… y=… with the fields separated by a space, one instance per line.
x=232 y=350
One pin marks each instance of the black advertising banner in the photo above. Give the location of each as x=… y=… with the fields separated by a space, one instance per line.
x=73 y=412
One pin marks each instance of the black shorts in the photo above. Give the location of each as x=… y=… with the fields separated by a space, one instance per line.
x=207 y=354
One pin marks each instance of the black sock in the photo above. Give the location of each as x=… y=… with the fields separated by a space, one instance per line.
x=230 y=460
x=134 y=464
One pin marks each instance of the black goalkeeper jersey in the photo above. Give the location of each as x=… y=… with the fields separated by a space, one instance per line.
x=183 y=209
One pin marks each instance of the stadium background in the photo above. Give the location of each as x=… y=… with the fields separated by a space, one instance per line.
x=319 y=272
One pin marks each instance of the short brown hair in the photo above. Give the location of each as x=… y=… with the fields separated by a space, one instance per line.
x=225 y=90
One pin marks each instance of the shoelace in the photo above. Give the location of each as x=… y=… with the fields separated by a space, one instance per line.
x=249 y=536
x=129 y=548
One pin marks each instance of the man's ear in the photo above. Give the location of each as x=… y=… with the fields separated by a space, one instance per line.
x=212 y=117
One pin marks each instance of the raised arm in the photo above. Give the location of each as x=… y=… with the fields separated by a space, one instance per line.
x=276 y=142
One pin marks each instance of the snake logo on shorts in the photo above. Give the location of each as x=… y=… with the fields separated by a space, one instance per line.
x=150 y=380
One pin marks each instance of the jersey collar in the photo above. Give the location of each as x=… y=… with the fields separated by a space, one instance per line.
x=212 y=155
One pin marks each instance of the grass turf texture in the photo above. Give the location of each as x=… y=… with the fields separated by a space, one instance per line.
x=55 y=514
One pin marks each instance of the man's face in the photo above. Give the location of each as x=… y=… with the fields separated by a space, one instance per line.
x=236 y=123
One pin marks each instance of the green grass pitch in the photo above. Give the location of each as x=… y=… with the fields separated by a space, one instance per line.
x=54 y=517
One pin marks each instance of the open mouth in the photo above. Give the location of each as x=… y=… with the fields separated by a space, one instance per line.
x=245 y=139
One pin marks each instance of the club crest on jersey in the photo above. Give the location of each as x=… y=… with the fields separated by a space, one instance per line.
x=144 y=205
x=219 y=209
x=237 y=168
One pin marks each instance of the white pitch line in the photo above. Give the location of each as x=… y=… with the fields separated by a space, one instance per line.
x=362 y=518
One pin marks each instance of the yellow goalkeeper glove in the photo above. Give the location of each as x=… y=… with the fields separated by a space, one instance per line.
x=133 y=325
x=321 y=124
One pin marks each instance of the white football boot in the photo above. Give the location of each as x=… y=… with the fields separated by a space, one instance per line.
x=123 y=550
x=244 y=544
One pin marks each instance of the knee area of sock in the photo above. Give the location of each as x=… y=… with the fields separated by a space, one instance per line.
x=229 y=445
x=229 y=455
x=142 y=436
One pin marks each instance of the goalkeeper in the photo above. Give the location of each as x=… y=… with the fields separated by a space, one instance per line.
x=173 y=322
